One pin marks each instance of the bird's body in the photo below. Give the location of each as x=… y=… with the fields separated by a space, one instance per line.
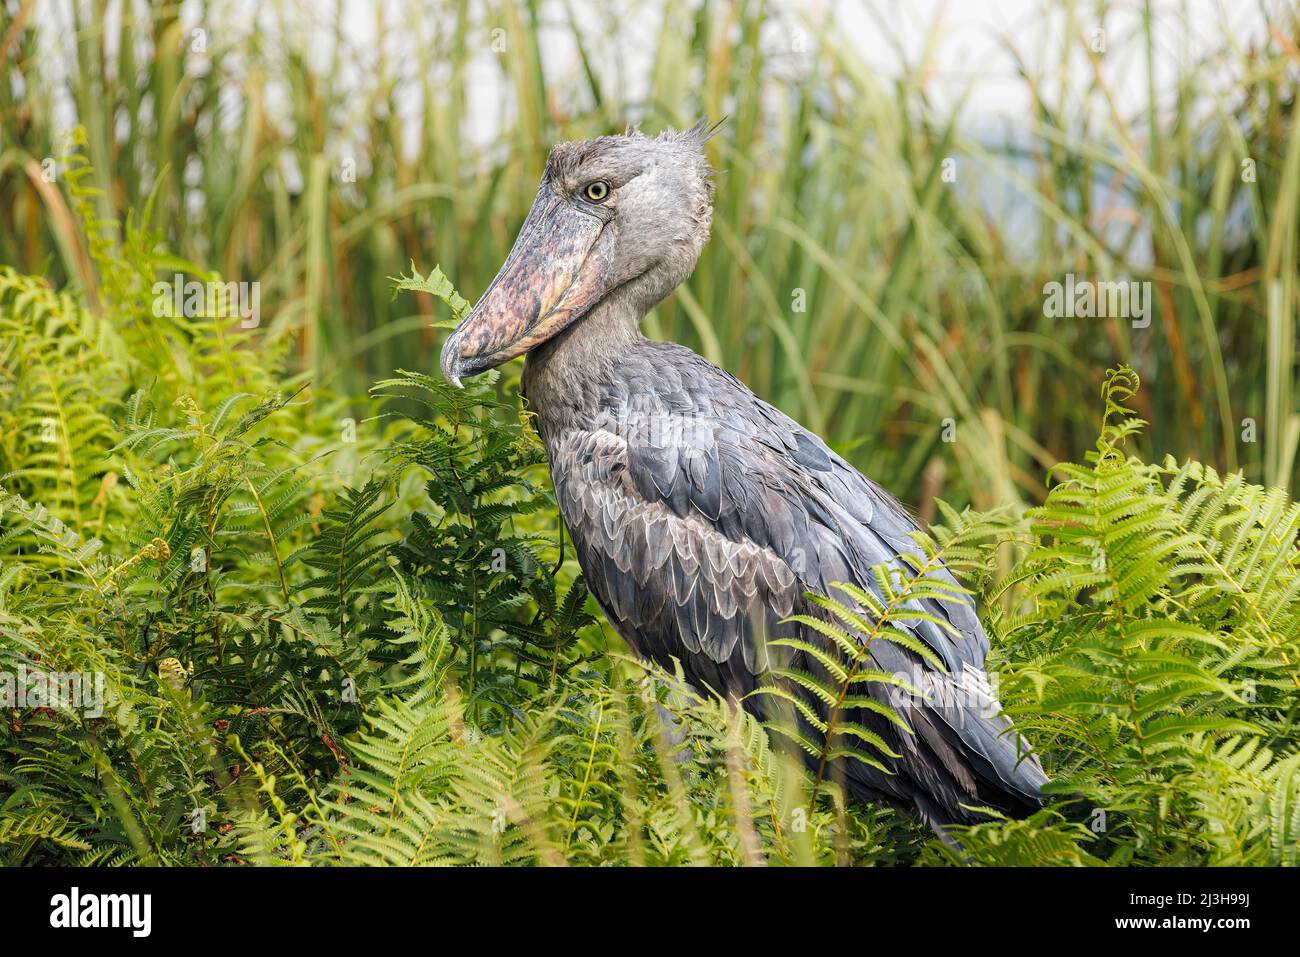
x=702 y=516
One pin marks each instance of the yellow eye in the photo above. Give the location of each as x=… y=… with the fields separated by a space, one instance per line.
x=598 y=191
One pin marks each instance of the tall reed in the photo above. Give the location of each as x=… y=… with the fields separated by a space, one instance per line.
x=860 y=275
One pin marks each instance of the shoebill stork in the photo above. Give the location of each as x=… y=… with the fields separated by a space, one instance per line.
x=701 y=515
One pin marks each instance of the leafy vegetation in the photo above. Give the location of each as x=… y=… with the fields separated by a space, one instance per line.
x=321 y=649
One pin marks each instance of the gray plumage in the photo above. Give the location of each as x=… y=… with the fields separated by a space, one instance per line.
x=701 y=514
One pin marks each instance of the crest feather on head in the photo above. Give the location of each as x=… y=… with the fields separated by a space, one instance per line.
x=695 y=136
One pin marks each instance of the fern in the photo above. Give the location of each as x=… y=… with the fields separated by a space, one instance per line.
x=825 y=697
x=1139 y=653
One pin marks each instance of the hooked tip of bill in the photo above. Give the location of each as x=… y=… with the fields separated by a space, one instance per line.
x=450 y=361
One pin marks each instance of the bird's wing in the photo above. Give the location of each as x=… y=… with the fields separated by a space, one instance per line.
x=666 y=576
x=723 y=469
x=701 y=515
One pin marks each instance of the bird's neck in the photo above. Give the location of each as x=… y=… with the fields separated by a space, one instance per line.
x=566 y=379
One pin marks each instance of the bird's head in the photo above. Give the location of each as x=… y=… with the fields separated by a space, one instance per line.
x=628 y=213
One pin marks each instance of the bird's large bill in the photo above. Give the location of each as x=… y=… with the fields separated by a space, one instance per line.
x=554 y=273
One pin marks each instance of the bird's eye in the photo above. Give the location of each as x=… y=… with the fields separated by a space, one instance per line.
x=598 y=191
